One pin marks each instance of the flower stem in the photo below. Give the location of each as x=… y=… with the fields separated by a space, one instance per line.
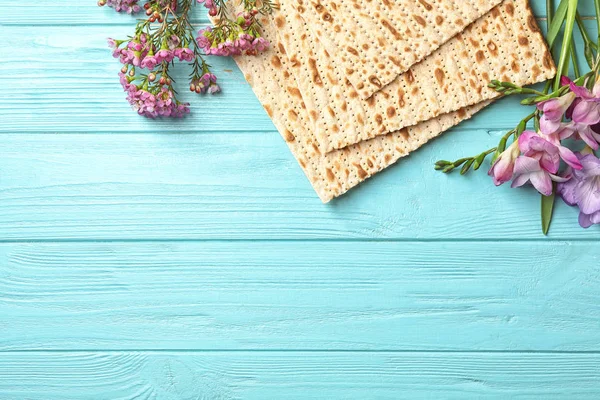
x=566 y=44
x=597 y=7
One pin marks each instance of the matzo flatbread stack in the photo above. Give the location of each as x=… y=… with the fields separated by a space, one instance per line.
x=375 y=41
x=505 y=44
x=334 y=173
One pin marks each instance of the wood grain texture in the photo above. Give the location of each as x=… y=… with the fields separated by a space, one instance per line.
x=300 y=295
x=160 y=250
x=66 y=81
x=247 y=186
x=297 y=375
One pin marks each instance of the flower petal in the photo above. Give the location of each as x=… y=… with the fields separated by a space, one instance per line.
x=566 y=190
x=586 y=112
x=588 y=195
x=585 y=221
x=542 y=182
x=569 y=157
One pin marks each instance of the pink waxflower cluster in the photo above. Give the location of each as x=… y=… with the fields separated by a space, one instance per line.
x=212 y=7
x=128 y=6
x=140 y=52
x=243 y=43
x=153 y=105
x=536 y=156
x=207 y=83
x=233 y=38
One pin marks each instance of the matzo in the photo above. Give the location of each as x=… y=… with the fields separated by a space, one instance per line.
x=378 y=40
x=504 y=44
x=332 y=174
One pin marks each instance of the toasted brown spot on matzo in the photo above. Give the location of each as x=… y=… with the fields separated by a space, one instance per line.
x=330 y=175
x=420 y=20
x=510 y=9
x=276 y=62
x=439 y=76
x=425 y=4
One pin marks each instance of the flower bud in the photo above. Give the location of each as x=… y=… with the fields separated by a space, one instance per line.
x=192 y=87
x=151 y=76
x=101 y=3
x=124 y=69
x=162 y=80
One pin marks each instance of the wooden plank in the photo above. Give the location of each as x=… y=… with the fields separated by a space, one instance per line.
x=273 y=375
x=63 y=79
x=300 y=295
x=247 y=186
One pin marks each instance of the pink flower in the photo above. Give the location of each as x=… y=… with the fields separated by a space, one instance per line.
x=529 y=169
x=553 y=112
x=580 y=131
x=548 y=150
x=260 y=44
x=184 y=54
x=165 y=55
x=540 y=149
x=128 y=6
x=502 y=169
x=150 y=61
x=586 y=108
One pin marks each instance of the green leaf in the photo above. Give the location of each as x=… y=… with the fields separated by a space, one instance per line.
x=566 y=48
x=547 y=208
x=557 y=22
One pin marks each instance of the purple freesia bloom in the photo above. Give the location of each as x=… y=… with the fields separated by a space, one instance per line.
x=547 y=149
x=583 y=189
x=580 y=131
x=528 y=169
x=534 y=146
x=553 y=111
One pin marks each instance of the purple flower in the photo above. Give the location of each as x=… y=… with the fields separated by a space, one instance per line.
x=586 y=109
x=580 y=131
x=583 y=190
x=553 y=110
x=502 y=169
x=529 y=169
x=548 y=150
x=534 y=146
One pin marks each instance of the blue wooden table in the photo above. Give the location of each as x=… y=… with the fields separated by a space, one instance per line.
x=192 y=260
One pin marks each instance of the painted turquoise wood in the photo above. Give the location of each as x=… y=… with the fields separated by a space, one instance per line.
x=192 y=260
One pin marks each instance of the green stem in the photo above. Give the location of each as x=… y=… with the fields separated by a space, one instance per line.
x=597 y=7
x=566 y=44
x=549 y=12
x=584 y=33
x=574 y=60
